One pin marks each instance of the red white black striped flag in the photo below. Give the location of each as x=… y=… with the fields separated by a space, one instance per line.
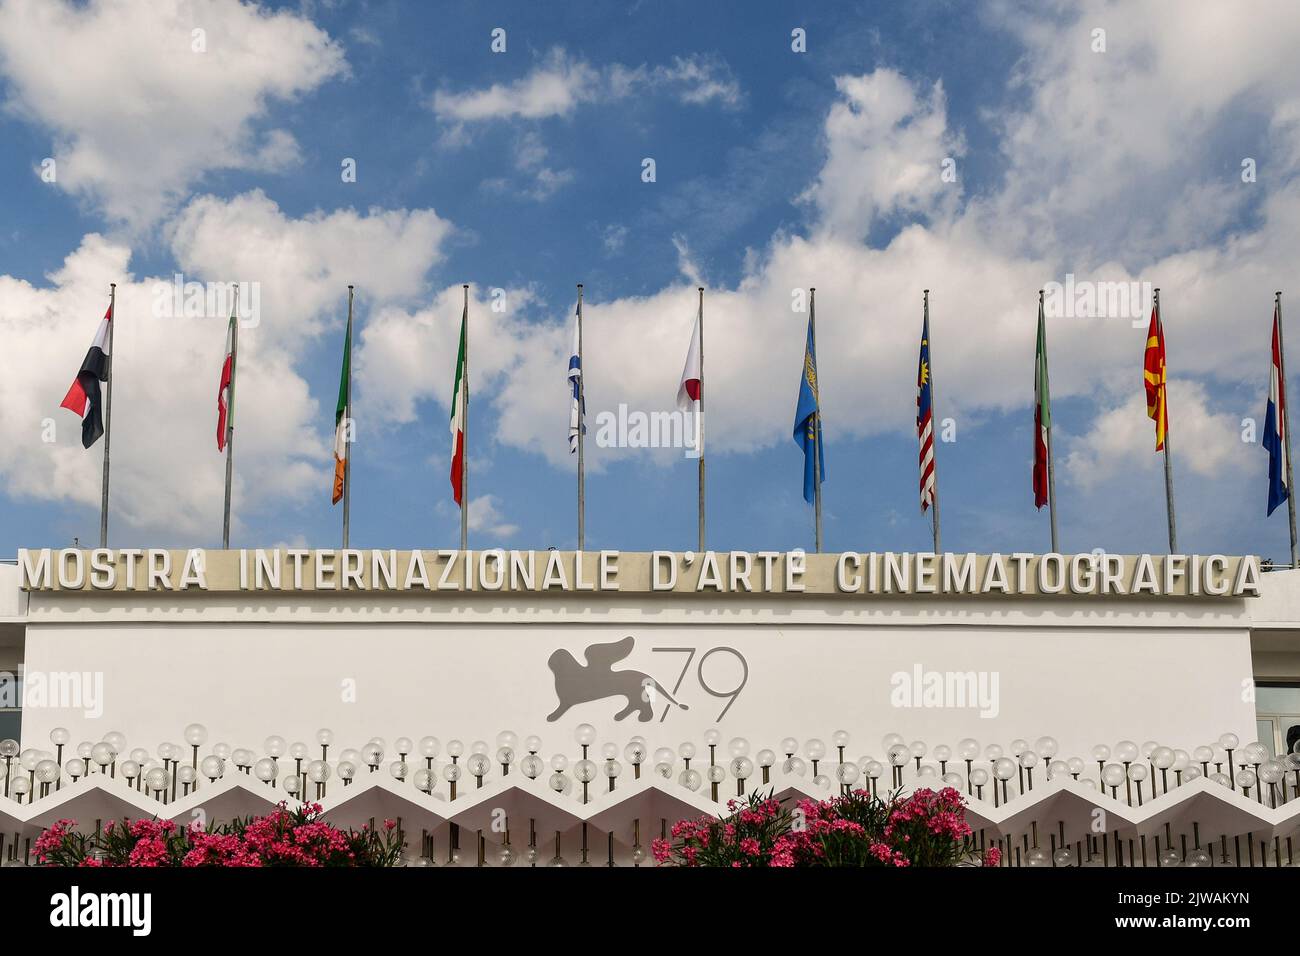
x=84 y=397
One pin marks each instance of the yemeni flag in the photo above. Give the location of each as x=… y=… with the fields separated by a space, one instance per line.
x=1042 y=414
x=459 y=403
x=1155 y=377
x=342 y=413
x=224 y=420
x=84 y=396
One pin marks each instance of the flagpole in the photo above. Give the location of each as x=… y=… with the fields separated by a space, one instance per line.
x=934 y=421
x=582 y=421
x=1051 y=458
x=1169 y=473
x=347 y=428
x=1286 y=427
x=817 y=423
x=230 y=418
x=464 y=430
x=699 y=420
x=108 y=414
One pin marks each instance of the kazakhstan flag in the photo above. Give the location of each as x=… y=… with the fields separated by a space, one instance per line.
x=807 y=421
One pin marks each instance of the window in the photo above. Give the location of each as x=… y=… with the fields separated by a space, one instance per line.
x=1277 y=715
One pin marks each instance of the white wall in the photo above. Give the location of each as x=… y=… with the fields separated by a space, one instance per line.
x=1137 y=676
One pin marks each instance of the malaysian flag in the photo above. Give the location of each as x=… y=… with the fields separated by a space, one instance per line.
x=924 y=420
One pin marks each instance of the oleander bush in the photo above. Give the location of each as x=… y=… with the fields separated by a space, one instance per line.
x=283 y=837
x=927 y=828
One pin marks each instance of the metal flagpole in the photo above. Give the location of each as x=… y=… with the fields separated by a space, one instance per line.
x=699 y=420
x=817 y=424
x=230 y=417
x=1286 y=428
x=582 y=421
x=347 y=430
x=934 y=422
x=108 y=413
x=1051 y=458
x=1169 y=473
x=464 y=429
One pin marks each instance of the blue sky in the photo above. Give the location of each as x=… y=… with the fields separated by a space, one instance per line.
x=522 y=171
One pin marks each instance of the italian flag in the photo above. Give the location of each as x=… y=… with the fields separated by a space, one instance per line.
x=1042 y=414
x=341 y=415
x=459 y=403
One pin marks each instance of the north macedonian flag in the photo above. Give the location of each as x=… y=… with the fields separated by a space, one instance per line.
x=1155 y=376
x=459 y=399
x=84 y=396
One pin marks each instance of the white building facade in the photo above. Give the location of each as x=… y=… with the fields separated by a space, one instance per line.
x=801 y=670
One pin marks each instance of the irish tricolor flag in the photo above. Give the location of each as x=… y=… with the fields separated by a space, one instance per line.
x=342 y=413
x=459 y=402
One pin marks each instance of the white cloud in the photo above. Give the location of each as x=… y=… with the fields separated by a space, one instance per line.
x=1090 y=189
x=167 y=474
x=554 y=88
x=561 y=83
x=885 y=147
x=1114 y=142
x=136 y=114
x=530 y=159
x=614 y=237
x=885 y=140
x=305 y=265
x=485 y=515
x=1120 y=441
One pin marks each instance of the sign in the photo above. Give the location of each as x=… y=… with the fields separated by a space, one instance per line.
x=737 y=573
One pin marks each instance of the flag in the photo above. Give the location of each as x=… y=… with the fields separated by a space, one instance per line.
x=807 y=421
x=1155 y=376
x=459 y=399
x=84 y=395
x=1275 y=422
x=342 y=414
x=1042 y=414
x=925 y=419
x=691 y=387
x=577 y=406
x=223 y=389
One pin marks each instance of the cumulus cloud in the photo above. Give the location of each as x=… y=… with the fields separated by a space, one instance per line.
x=304 y=265
x=167 y=475
x=137 y=111
x=982 y=256
x=1120 y=441
x=485 y=516
x=885 y=146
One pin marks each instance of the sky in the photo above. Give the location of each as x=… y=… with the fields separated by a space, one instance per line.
x=981 y=151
